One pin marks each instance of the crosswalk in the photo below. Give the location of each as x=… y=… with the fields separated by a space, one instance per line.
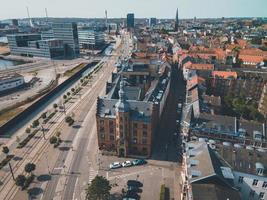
x=92 y=174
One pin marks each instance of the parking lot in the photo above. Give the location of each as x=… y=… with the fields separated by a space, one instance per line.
x=152 y=175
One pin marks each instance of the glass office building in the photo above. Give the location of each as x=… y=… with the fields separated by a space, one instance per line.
x=68 y=33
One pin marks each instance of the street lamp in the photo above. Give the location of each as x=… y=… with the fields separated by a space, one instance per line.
x=42 y=128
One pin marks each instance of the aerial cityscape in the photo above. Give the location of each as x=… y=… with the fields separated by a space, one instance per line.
x=130 y=100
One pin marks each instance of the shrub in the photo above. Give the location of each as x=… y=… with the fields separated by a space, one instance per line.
x=162 y=192
x=55 y=105
x=43 y=115
x=28 y=130
x=53 y=140
x=35 y=123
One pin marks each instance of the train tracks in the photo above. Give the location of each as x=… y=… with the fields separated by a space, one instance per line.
x=39 y=145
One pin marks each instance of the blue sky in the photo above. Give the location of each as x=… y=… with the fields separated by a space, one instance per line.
x=141 y=8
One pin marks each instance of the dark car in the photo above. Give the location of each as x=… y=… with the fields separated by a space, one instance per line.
x=131 y=195
x=139 y=162
x=133 y=183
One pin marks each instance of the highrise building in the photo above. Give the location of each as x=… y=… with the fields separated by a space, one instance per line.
x=176 y=21
x=152 y=21
x=130 y=20
x=15 y=22
x=68 y=33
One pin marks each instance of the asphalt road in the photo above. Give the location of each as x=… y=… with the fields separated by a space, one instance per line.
x=166 y=144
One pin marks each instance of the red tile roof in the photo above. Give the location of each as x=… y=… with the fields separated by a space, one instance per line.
x=224 y=74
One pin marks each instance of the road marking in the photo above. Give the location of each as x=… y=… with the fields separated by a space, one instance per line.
x=73 y=196
x=92 y=174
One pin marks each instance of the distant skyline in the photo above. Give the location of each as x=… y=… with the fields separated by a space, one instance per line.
x=141 y=8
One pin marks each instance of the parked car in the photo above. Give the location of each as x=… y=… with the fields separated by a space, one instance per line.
x=115 y=165
x=139 y=162
x=127 y=163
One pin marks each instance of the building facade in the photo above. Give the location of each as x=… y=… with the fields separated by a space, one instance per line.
x=9 y=82
x=31 y=45
x=68 y=33
x=91 y=39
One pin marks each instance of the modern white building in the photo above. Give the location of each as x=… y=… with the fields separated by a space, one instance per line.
x=11 y=81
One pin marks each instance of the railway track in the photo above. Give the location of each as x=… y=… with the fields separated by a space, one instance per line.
x=44 y=145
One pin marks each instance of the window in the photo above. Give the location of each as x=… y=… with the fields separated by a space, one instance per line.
x=135 y=125
x=134 y=140
x=261 y=195
x=134 y=133
x=110 y=123
x=264 y=185
x=240 y=179
x=102 y=129
x=144 y=141
x=111 y=137
x=102 y=136
x=144 y=126
x=255 y=182
x=252 y=193
x=101 y=122
x=144 y=134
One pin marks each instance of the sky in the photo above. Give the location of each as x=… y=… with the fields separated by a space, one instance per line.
x=141 y=8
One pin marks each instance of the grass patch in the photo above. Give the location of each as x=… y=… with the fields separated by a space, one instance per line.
x=74 y=70
x=6 y=116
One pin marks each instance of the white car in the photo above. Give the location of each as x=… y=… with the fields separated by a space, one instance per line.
x=127 y=163
x=115 y=165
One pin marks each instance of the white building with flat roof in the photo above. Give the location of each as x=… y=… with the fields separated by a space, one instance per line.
x=10 y=81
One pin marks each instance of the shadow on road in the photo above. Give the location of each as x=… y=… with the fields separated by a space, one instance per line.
x=44 y=177
x=35 y=191
x=167 y=139
x=64 y=148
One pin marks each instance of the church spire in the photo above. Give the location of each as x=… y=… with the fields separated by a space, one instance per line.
x=176 y=20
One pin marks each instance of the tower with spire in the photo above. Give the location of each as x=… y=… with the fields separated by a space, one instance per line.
x=122 y=119
x=176 y=21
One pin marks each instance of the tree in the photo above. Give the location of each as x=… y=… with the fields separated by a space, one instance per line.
x=28 y=130
x=29 y=167
x=43 y=115
x=64 y=96
x=58 y=133
x=99 y=189
x=73 y=89
x=5 y=150
x=35 y=123
x=20 y=180
x=55 y=106
x=53 y=140
x=68 y=93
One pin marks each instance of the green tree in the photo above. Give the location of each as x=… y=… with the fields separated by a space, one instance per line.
x=64 y=96
x=43 y=115
x=35 y=123
x=53 y=140
x=99 y=189
x=55 y=106
x=73 y=89
x=29 y=167
x=20 y=180
x=28 y=130
x=5 y=150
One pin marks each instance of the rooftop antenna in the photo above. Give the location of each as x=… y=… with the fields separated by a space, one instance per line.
x=30 y=20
